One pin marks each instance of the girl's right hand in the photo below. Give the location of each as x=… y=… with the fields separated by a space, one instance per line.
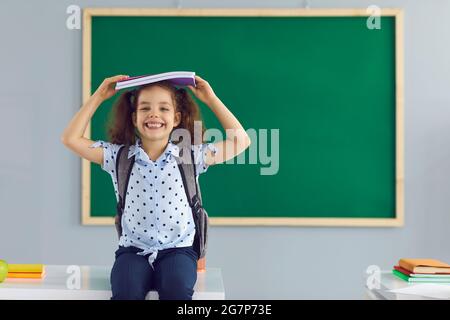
x=107 y=89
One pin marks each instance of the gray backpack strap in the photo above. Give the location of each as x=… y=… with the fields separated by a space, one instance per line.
x=186 y=164
x=188 y=174
x=123 y=172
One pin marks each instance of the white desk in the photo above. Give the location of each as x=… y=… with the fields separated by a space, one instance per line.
x=94 y=284
x=389 y=282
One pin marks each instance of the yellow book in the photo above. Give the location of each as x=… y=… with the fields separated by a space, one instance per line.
x=25 y=268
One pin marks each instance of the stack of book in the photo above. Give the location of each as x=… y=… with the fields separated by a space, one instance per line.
x=26 y=271
x=422 y=270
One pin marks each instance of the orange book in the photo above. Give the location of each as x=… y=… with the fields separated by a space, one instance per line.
x=26 y=275
x=201 y=265
x=429 y=266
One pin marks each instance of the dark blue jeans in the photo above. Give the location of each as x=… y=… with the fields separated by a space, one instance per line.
x=174 y=274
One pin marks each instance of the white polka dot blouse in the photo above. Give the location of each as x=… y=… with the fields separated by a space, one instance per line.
x=157 y=214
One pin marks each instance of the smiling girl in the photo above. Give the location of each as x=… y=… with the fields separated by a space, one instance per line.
x=155 y=247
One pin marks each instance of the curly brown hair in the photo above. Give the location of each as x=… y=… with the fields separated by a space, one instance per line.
x=120 y=128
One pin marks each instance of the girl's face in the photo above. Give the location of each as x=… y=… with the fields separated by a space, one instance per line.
x=156 y=114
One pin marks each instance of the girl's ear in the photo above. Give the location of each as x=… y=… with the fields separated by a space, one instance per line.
x=177 y=119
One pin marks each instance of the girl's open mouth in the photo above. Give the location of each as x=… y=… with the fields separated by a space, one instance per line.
x=153 y=125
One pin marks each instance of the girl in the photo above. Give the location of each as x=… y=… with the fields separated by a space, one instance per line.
x=155 y=248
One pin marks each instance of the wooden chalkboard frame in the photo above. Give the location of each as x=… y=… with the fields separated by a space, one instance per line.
x=397 y=221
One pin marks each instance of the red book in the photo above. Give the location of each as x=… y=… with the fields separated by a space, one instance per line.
x=421 y=275
x=404 y=271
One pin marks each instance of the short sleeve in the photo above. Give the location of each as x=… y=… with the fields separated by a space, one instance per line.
x=109 y=155
x=200 y=151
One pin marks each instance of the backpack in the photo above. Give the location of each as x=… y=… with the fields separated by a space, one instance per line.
x=191 y=187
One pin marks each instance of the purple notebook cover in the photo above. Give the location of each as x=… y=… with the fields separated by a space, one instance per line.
x=176 y=81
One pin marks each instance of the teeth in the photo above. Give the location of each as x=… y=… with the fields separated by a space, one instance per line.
x=154 y=125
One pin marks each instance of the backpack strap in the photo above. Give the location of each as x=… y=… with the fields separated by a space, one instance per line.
x=187 y=167
x=124 y=165
x=186 y=164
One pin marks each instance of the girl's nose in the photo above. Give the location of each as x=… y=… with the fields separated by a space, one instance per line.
x=153 y=115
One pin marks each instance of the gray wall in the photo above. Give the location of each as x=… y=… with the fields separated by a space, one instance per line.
x=40 y=91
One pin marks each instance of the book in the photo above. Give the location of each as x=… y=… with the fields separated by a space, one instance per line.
x=424 y=266
x=178 y=78
x=418 y=279
x=32 y=268
x=421 y=275
x=26 y=275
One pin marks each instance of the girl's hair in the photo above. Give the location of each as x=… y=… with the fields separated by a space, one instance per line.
x=120 y=128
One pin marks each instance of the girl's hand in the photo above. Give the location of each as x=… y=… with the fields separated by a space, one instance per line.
x=107 y=89
x=203 y=91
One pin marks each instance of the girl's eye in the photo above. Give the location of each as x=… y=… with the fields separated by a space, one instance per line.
x=165 y=109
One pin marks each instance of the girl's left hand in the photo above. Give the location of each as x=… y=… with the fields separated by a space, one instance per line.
x=203 y=91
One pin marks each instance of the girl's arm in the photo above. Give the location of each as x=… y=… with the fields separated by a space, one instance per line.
x=72 y=136
x=237 y=140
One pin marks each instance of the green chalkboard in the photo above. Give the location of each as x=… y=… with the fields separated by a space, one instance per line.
x=327 y=83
